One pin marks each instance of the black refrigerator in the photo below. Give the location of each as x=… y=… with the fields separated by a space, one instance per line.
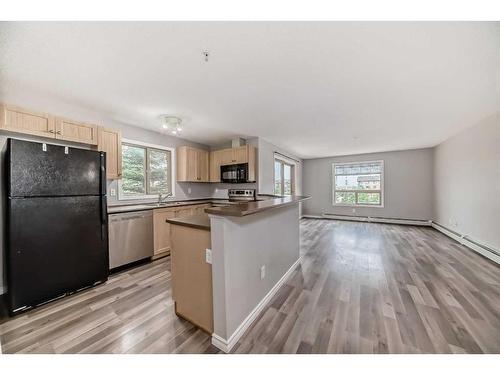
x=56 y=224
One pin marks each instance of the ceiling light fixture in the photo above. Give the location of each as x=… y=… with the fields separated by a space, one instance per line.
x=171 y=124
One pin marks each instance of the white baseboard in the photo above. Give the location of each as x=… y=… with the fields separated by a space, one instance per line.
x=227 y=345
x=369 y=219
x=491 y=254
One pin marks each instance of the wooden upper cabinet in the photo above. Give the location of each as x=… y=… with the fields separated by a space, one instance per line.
x=228 y=156
x=240 y=154
x=76 y=131
x=192 y=164
x=203 y=165
x=215 y=163
x=24 y=121
x=110 y=141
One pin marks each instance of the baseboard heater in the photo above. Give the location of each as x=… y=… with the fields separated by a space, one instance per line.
x=483 y=249
x=373 y=219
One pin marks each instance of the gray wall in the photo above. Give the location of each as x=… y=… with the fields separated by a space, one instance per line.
x=240 y=246
x=407 y=188
x=183 y=190
x=467 y=182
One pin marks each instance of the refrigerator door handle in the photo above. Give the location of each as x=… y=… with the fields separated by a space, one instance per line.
x=104 y=211
x=103 y=173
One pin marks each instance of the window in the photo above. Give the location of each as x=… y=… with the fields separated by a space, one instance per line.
x=358 y=184
x=284 y=179
x=146 y=171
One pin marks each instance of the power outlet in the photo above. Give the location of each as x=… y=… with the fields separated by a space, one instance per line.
x=262 y=272
x=353 y=210
x=189 y=190
x=112 y=192
x=208 y=256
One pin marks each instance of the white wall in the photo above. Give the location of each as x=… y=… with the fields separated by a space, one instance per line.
x=467 y=182
x=407 y=188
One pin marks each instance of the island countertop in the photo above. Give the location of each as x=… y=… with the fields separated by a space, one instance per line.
x=200 y=221
x=253 y=207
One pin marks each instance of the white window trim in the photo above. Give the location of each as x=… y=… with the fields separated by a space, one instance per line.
x=382 y=189
x=291 y=163
x=122 y=197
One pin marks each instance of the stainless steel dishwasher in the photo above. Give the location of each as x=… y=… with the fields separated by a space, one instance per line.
x=130 y=237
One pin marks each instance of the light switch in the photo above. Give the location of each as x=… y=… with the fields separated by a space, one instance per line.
x=208 y=256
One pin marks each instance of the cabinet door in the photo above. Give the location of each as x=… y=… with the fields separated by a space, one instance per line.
x=252 y=163
x=202 y=166
x=240 y=154
x=110 y=141
x=185 y=211
x=199 y=209
x=227 y=157
x=74 y=131
x=25 y=121
x=215 y=163
x=162 y=241
x=192 y=164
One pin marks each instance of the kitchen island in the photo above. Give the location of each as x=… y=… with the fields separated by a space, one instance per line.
x=254 y=249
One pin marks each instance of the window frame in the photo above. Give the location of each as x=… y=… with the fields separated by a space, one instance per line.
x=150 y=146
x=381 y=191
x=292 y=165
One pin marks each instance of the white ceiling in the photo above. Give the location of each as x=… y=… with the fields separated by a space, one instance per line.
x=316 y=89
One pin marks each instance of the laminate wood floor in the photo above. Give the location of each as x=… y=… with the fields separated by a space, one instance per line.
x=360 y=288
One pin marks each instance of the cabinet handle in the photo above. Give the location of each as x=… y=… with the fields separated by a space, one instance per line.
x=58 y=132
x=51 y=131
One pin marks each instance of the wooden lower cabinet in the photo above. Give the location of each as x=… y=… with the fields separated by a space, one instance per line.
x=192 y=276
x=161 y=231
x=162 y=237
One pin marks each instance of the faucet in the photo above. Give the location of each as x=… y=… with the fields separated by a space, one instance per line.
x=162 y=197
